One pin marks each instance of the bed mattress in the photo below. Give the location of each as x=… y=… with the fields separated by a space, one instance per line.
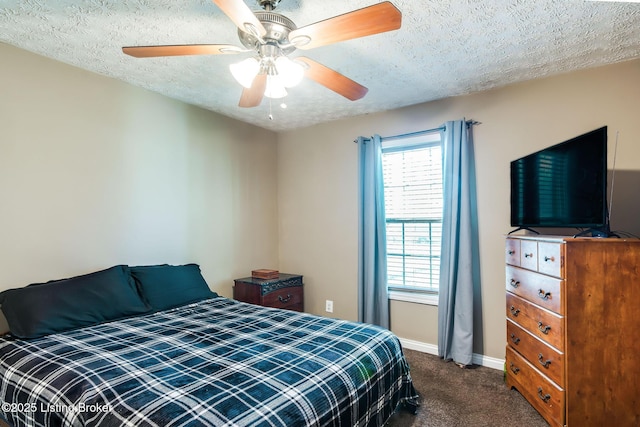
x=217 y=362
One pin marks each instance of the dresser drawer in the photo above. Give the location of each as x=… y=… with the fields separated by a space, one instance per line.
x=512 y=253
x=543 y=394
x=545 y=358
x=545 y=324
x=550 y=260
x=540 y=289
x=289 y=298
x=529 y=255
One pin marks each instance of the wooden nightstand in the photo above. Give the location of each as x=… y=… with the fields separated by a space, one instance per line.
x=284 y=292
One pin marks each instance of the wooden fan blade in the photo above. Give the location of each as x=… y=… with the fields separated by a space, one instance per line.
x=253 y=97
x=375 y=19
x=333 y=80
x=241 y=15
x=179 y=50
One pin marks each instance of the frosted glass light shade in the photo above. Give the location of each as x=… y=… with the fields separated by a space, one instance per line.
x=275 y=88
x=245 y=71
x=290 y=72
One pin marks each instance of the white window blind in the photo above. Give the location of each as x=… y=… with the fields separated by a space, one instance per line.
x=413 y=206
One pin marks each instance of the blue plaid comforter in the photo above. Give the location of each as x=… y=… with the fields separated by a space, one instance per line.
x=214 y=363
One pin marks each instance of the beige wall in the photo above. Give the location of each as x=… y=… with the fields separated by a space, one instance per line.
x=95 y=172
x=317 y=184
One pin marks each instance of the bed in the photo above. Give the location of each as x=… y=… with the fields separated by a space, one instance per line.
x=185 y=356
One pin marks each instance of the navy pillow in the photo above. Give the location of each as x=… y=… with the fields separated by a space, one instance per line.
x=56 y=306
x=167 y=286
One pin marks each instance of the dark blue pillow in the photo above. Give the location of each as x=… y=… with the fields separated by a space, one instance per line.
x=56 y=306
x=167 y=286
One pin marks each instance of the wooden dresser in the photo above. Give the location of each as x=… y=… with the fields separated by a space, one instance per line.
x=573 y=328
x=284 y=292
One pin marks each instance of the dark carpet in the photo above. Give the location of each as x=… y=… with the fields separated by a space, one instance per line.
x=451 y=396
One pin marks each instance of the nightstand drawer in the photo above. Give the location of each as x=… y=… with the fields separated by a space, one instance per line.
x=286 y=292
x=288 y=298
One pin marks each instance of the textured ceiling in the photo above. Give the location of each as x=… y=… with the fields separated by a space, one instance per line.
x=444 y=48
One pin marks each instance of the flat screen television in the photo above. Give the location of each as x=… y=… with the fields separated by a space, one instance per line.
x=564 y=185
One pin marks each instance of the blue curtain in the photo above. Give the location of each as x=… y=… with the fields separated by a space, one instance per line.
x=373 y=301
x=459 y=266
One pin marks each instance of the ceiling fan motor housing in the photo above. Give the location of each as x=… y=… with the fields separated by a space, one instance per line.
x=278 y=28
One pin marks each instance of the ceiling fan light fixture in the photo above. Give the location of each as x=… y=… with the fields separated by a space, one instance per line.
x=245 y=71
x=290 y=72
x=275 y=89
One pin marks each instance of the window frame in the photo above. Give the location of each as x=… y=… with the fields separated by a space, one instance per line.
x=403 y=143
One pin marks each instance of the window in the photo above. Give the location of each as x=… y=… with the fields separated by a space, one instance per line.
x=412 y=174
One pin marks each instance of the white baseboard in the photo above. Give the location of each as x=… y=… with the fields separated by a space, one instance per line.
x=419 y=346
x=478 y=359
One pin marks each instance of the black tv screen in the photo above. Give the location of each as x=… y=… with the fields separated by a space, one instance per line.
x=564 y=185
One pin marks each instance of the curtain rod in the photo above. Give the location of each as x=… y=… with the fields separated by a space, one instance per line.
x=420 y=132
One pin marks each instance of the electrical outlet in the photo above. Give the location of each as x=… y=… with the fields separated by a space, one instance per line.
x=329 y=306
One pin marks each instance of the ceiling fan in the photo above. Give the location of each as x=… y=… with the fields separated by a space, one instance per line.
x=272 y=37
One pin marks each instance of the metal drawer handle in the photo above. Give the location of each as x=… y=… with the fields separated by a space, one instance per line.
x=511 y=252
x=542 y=362
x=514 y=311
x=514 y=368
x=544 y=397
x=515 y=283
x=515 y=339
x=549 y=258
x=286 y=299
x=528 y=255
x=545 y=330
x=544 y=295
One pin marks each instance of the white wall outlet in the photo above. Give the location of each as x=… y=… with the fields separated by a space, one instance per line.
x=328 y=306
